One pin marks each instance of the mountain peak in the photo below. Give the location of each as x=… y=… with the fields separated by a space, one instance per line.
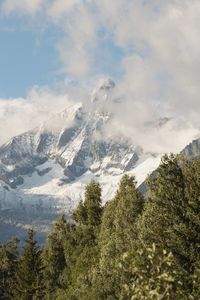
x=106 y=84
x=103 y=90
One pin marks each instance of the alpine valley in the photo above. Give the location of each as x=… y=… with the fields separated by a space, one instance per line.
x=43 y=172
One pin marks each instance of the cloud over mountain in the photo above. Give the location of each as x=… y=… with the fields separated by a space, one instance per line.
x=20 y=115
x=158 y=68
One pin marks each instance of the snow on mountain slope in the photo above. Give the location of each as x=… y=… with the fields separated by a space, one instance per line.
x=53 y=185
x=44 y=171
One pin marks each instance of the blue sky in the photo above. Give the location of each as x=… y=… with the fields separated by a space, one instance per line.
x=27 y=57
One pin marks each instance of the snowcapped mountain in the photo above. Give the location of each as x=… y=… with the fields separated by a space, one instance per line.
x=44 y=171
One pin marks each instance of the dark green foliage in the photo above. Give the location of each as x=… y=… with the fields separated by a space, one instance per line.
x=196 y=281
x=54 y=259
x=88 y=217
x=8 y=267
x=81 y=242
x=80 y=214
x=29 y=277
x=81 y=285
x=191 y=209
x=117 y=235
x=171 y=216
x=104 y=275
x=166 y=193
x=89 y=212
x=129 y=205
x=133 y=248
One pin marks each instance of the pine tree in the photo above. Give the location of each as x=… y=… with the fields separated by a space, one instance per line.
x=105 y=278
x=8 y=267
x=166 y=192
x=171 y=216
x=81 y=240
x=117 y=235
x=54 y=259
x=130 y=204
x=81 y=281
x=29 y=277
x=196 y=281
x=80 y=214
x=190 y=230
x=89 y=212
x=88 y=217
x=130 y=249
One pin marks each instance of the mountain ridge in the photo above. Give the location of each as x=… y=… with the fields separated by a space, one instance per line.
x=44 y=171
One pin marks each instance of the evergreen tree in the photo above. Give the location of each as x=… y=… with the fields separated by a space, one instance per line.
x=89 y=212
x=171 y=216
x=81 y=240
x=166 y=192
x=8 y=266
x=130 y=204
x=105 y=277
x=131 y=249
x=117 y=235
x=81 y=280
x=54 y=259
x=80 y=214
x=29 y=277
x=196 y=282
x=190 y=229
x=88 y=219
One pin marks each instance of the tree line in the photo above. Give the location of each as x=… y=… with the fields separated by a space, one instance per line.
x=142 y=247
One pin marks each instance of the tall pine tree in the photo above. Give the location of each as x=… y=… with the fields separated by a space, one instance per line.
x=29 y=277
x=130 y=204
x=80 y=243
x=117 y=235
x=8 y=267
x=171 y=214
x=54 y=259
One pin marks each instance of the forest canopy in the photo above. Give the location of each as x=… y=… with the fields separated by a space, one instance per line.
x=135 y=247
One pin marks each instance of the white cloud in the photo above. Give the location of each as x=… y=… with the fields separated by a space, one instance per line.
x=19 y=115
x=22 y=6
x=58 y=8
x=79 y=45
x=160 y=66
x=165 y=37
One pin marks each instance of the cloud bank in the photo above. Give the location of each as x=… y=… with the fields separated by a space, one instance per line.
x=20 y=115
x=159 y=69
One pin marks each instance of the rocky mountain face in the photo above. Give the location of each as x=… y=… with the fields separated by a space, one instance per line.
x=193 y=149
x=44 y=171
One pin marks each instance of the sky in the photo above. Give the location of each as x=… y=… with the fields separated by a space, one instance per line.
x=149 y=48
